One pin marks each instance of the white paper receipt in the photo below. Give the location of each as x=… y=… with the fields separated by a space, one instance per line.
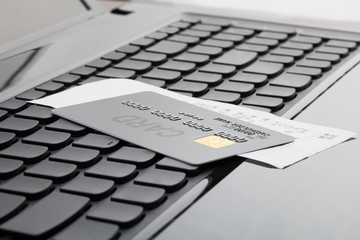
x=310 y=139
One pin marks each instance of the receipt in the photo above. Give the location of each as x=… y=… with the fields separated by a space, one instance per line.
x=309 y=138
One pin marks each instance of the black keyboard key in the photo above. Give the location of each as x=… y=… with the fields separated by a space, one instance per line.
x=183 y=67
x=128 y=49
x=274 y=104
x=261 y=49
x=226 y=97
x=50 y=87
x=147 y=197
x=25 y=152
x=167 y=76
x=210 y=51
x=139 y=156
x=263 y=41
x=50 y=139
x=288 y=52
x=169 y=30
x=244 y=89
x=118 y=172
x=216 y=22
x=168 y=47
x=201 y=77
x=143 y=42
x=198 y=59
x=299 y=82
x=240 y=31
x=154 y=82
x=99 y=64
x=194 y=88
x=194 y=33
x=55 y=171
x=31 y=95
x=333 y=58
x=154 y=58
x=114 y=56
x=13 y=105
x=93 y=188
x=286 y=60
x=170 y=181
x=103 y=143
x=63 y=125
x=207 y=28
x=222 y=69
x=158 y=35
x=116 y=73
x=265 y=68
x=307 y=47
x=118 y=213
x=67 y=79
x=2 y=114
x=343 y=52
x=312 y=72
x=19 y=126
x=64 y=207
x=6 y=138
x=83 y=71
x=137 y=66
x=9 y=205
x=285 y=93
x=80 y=156
x=236 y=58
x=273 y=35
x=27 y=186
x=184 y=39
x=343 y=44
x=40 y=113
x=323 y=65
x=256 y=79
x=85 y=229
x=306 y=39
x=9 y=168
x=218 y=43
x=175 y=165
x=228 y=37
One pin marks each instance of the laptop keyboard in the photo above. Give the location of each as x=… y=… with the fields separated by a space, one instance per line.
x=61 y=180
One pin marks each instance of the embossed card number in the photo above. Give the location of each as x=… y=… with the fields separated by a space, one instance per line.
x=172 y=127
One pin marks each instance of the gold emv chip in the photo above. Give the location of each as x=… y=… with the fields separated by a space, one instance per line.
x=214 y=141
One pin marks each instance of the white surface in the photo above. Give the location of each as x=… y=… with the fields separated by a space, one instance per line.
x=310 y=139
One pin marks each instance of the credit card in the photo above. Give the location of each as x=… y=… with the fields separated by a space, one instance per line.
x=171 y=127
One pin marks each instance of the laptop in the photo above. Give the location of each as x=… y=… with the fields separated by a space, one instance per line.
x=61 y=180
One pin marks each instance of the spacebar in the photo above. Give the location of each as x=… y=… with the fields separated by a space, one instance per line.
x=47 y=215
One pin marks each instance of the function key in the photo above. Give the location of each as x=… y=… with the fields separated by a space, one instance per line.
x=147 y=197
